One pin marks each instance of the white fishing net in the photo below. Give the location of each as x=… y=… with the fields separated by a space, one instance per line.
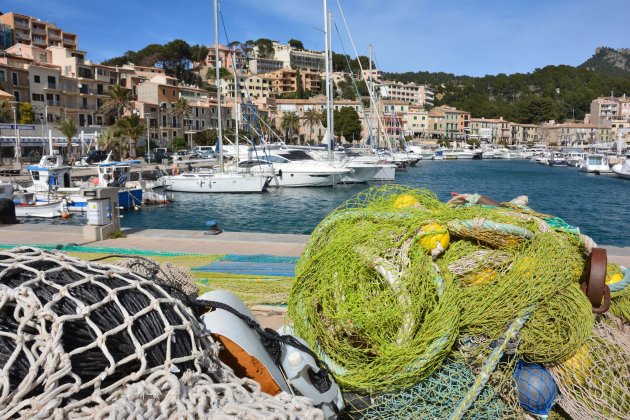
x=80 y=339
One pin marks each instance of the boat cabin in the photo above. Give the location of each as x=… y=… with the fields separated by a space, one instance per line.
x=50 y=173
x=115 y=174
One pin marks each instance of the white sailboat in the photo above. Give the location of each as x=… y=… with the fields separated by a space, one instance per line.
x=221 y=181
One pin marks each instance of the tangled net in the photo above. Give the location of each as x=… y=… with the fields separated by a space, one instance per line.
x=394 y=282
x=81 y=339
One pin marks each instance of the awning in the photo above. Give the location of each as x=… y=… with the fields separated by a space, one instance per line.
x=4 y=96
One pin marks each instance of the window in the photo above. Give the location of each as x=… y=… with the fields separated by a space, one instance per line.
x=38 y=97
x=14 y=78
x=163 y=91
x=52 y=80
x=2 y=76
x=17 y=95
x=35 y=175
x=37 y=79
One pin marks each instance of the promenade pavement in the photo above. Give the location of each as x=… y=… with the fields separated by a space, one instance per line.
x=190 y=241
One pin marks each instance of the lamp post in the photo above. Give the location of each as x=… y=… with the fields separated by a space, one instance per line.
x=146 y=118
x=18 y=151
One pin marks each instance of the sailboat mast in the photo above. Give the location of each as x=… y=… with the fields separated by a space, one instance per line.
x=329 y=116
x=217 y=65
x=236 y=107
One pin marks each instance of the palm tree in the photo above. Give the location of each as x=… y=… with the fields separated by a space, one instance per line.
x=181 y=109
x=132 y=127
x=111 y=141
x=69 y=130
x=311 y=117
x=290 y=124
x=118 y=100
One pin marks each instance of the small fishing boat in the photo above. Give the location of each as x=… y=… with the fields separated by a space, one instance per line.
x=26 y=204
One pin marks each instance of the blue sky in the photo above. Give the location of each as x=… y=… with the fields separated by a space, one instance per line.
x=471 y=37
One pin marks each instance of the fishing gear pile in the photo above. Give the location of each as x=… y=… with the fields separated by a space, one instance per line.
x=470 y=308
x=79 y=339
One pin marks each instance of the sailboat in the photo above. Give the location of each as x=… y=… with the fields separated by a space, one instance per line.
x=221 y=181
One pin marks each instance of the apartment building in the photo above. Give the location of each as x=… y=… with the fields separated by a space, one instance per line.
x=604 y=109
x=490 y=130
x=408 y=92
x=529 y=134
x=14 y=76
x=285 y=80
x=257 y=65
x=32 y=31
x=227 y=57
x=293 y=58
x=416 y=122
x=376 y=75
x=251 y=87
x=6 y=36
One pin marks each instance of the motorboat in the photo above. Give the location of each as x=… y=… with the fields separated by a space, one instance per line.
x=458 y=154
x=596 y=163
x=305 y=172
x=622 y=170
x=575 y=159
x=556 y=159
x=215 y=182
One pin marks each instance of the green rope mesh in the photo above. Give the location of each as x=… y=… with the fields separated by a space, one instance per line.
x=393 y=281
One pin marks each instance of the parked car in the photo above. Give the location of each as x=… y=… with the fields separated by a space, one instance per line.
x=158 y=157
x=181 y=155
x=96 y=156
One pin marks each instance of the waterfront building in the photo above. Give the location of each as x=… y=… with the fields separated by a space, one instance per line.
x=29 y=30
x=416 y=122
x=526 y=134
x=14 y=76
x=437 y=123
x=491 y=130
x=575 y=134
x=293 y=58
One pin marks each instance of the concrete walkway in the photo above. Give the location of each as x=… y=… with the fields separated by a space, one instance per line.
x=186 y=241
x=245 y=243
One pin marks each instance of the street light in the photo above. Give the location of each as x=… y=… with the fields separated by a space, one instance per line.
x=18 y=150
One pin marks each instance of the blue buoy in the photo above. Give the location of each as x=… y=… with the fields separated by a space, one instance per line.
x=537 y=391
x=213 y=227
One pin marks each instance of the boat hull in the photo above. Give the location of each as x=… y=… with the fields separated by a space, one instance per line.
x=46 y=211
x=215 y=183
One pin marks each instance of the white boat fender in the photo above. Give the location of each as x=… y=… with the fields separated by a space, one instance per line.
x=232 y=324
x=305 y=374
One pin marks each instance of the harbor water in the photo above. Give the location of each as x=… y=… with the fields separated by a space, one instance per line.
x=598 y=204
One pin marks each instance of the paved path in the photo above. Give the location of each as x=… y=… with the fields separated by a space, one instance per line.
x=246 y=243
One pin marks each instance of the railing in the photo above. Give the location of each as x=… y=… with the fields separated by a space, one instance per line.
x=54 y=103
x=69 y=40
x=39 y=31
x=52 y=85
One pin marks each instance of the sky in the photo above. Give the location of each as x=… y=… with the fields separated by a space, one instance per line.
x=471 y=37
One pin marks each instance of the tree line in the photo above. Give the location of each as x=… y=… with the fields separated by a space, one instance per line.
x=549 y=93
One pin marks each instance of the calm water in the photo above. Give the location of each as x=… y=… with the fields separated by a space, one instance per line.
x=599 y=205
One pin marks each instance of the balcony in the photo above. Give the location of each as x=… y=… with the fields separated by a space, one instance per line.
x=67 y=40
x=54 y=36
x=54 y=103
x=52 y=86
x=38 y=31
x=23 y=35
x=21 y=24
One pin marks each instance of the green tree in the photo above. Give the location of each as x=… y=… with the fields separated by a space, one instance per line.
x=69 y=130
x=311 y=118
x=6 y=112
x=347 y=123
x=206 y=138
x=111 y=141
x=25 y=113
x=290 y=125
x=296 y=43
x=118 y=101
x=131 y=127
x=178 y=143
x=534 y=110
x=223 y=73
x=181 y=110
x=300 y=85
x=264 y=47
